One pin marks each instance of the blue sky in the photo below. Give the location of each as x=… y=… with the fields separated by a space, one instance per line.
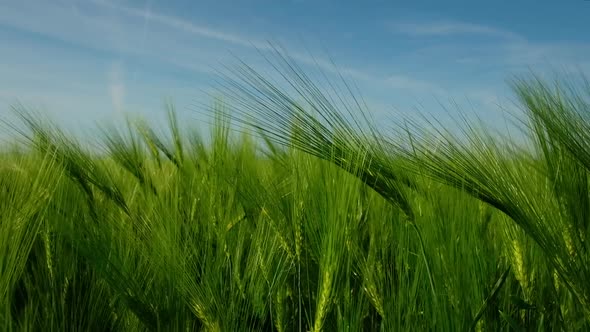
x=87 y=60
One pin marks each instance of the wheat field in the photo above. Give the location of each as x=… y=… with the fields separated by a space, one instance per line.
x=302 y=219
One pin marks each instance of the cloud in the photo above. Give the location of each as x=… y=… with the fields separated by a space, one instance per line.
x=116 y=87
x=409 y=83
x=549 y=54
x=120 y=31
x=449 y=28
x=148 y=16
x=502 y=52
x=518 y=56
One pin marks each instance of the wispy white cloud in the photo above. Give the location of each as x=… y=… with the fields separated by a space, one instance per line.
x=413 y=84
x=449 y=28
x=552 y=53
x=122 y=31
x=116 y=87
x=205 y=31
x=500 y=51
x=518 y=56
x=188 y=27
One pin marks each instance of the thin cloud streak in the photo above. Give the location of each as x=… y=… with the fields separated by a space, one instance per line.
x=186 y=26
x=235 y=39
x=410 y=83
x=450 y=28
x=116 y=87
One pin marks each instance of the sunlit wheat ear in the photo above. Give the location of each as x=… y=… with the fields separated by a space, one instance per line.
x=517 y=255
x=324 y=298
x=370 y=287
x=279 y=311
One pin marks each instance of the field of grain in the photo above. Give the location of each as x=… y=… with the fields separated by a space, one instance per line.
x=304 y=219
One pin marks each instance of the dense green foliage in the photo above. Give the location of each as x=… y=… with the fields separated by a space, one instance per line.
x=328 y=225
